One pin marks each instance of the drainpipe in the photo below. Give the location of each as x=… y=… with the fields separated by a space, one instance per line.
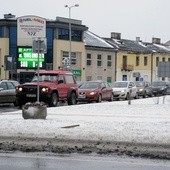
x=115 y=64
x=152 y=66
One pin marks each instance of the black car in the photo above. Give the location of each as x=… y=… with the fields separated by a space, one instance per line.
x=159 y=88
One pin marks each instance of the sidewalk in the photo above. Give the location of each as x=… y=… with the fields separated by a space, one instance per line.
x=142 y=128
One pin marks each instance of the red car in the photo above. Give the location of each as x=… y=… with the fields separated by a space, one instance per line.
x=95 y=91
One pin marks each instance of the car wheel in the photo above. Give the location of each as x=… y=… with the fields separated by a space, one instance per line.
x=54 y=100
x=111 y=98
x=15 y=103
x=72 y=99
x=99 y=100
x=136 y=96
x=128 y=96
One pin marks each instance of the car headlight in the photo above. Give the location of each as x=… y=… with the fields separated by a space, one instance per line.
x=19 y=89
x=123 y=91
x=44 y=89
x=92 y=93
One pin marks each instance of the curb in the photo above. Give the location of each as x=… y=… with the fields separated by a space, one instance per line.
x=55 y=145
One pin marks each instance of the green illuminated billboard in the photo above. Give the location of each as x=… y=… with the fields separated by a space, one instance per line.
x=26 y=59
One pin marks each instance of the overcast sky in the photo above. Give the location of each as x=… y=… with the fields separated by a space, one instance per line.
x=132 y=18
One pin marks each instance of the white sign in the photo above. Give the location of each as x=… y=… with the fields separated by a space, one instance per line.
x=29 y=27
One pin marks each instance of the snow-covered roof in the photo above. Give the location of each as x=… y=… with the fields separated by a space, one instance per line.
x=90 y=39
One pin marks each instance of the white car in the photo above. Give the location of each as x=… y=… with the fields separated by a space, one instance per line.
x=124 y=90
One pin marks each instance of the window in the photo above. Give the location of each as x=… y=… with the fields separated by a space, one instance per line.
x=65 y=58
x=99 y=60
x=3 y=85
x=89 y=78
x=99 y=77
x=89 y=60
x=10 y=85
x=1 y=32
x=163 y=59
x=69 y=79
x=109 y=61
x=145 y=61
x=168 y=59
x=137 y=60
x=73 y=59
x=157 y=61
x=63 y=34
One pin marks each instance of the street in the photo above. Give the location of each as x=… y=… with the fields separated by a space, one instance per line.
x=49 y=161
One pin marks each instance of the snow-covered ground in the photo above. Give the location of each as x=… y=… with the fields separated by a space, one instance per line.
x=144 y=121
x=139 y=129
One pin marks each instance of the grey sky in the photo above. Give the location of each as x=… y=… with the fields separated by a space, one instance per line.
x=131 y=18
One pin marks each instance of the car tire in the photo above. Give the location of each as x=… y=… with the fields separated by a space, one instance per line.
x=128 y=96
x=111 y=98
x=53 y=100
x=99 y=100
x=72 y=99
x=15 y=103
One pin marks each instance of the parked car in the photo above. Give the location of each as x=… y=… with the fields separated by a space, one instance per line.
x=8 y=91
x=79 y=83
x=159 y=88
x=144 y=88
x=95 y=91
x=168 y=88
x=124 y=90
x=54 y=86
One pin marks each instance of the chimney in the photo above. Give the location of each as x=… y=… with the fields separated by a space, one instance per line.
x=156 y=40
x=8 y=16
x=115 y=35
x=138 y=39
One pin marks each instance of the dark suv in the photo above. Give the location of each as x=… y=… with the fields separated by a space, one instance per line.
x=54 y=86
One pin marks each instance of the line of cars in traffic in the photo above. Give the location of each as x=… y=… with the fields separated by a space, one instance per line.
x=98 y=91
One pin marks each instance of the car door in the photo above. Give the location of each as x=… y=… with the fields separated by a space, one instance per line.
x=11 y=92
x=3 y=92
x=134 y=89
x=103 y=90
x=108 y=90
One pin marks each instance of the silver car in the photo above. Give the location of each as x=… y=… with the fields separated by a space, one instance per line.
x=8 y=91
x=124 y=90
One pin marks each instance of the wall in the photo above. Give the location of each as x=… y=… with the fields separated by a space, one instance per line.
x=4 y=50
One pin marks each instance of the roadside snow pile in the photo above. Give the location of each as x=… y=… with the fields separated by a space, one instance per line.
x=143 y=121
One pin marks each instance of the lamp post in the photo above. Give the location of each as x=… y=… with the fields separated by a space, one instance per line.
x=69 y=7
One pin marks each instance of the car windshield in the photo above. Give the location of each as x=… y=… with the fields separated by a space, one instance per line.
x=120 y=84
x=44 y=77
x=159 y=83
x=139 y=84
x=89 y=85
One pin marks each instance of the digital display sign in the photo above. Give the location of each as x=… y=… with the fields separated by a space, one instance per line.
x=26 y=59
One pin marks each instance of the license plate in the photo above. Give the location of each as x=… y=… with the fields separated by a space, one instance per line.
x=82 y=97
x=31 y=95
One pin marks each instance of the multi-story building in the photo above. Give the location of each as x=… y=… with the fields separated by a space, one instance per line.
x=91 y=57
x=137 y=60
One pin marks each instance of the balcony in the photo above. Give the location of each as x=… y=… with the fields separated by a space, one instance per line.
x=126 y=67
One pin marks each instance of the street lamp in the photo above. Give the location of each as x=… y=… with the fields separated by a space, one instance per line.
x=69 y=7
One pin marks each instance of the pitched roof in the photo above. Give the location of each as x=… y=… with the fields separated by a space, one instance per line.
x=128 y=45
x=92 y=40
